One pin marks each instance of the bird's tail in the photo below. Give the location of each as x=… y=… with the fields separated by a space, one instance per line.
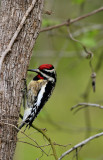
x=23 y=123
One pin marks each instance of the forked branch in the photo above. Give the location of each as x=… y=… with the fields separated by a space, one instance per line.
x=68 y=22
x=46 y=136
x=84 y=105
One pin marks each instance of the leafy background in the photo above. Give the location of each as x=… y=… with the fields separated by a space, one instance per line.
x=73 y=75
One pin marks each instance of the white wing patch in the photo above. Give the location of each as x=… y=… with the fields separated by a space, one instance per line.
x=27 y=112
x=40 y=95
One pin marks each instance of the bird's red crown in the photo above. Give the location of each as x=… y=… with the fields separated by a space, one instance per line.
x=46 y=66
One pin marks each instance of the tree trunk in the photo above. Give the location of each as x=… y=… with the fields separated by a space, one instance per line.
x=15 y=65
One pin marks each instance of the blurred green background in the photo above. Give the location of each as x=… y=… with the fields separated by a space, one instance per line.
x=73 y=82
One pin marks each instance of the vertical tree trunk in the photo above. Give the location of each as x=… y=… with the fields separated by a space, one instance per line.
x=15 y=65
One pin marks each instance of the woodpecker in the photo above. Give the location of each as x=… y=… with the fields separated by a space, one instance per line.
x=38 y=92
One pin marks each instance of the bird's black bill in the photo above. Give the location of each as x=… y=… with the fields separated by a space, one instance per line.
x=33 y=70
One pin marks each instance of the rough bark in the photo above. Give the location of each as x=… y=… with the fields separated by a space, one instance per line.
x=15 y=66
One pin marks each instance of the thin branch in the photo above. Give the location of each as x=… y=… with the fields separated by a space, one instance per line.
x=45 y=135
x=89 y=53
x=81 y=144
x=85 y=105
x=72 y=20
x=26 y=136
x=8 y=49
x=76 y=153
x=49 y=140
x=29 y=144
x=60 y=145
x=97 y=68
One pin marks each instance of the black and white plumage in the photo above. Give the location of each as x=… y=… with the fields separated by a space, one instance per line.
x=38 y=92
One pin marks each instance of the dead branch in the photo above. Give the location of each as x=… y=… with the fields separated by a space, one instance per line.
x=85 y=105
x=81 y=144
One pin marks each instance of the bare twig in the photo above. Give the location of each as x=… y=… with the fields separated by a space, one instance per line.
x=86 y=94
x=60 y=145
x=32 y=146
x=26 y=136
x=97 y=68
x=72 y=20
x=86 y=105
x=48 y=139
x=46 y=145
x=81 y=144
x=76 y=153
x=8 y=49
x=89 y=53
x=29 y=144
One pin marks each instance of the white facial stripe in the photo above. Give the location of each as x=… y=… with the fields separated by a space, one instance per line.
x=48 y=77
x=51 y=71
x=40 y=95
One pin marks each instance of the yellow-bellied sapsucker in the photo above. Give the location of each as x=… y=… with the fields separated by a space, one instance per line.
x=38 y=91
